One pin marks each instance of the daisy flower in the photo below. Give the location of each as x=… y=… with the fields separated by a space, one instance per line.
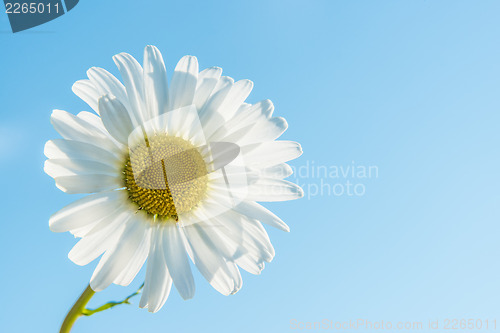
x=173 y=172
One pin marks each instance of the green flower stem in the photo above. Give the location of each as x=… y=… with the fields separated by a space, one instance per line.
x=77 y=310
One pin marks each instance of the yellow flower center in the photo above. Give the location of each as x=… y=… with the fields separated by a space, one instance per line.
x=165 y=176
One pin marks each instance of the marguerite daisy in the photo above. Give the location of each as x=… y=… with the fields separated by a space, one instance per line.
x=175 y=173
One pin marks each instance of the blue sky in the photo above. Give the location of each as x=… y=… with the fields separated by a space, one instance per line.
x=411 y=87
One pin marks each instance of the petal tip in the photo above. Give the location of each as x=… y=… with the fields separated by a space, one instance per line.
x=48 y=145
x=300 y=192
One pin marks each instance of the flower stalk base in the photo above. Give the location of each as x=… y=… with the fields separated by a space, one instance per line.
x=77 y=310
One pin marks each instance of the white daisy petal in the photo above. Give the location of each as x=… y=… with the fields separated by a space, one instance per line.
x=249 y=233
x=262 y=109
x=234 y=136
x=272 y=153
x=207 y=80
x=266 y=107
x=222 y=84
x=209 y=261
x=250 y=264
x=235 y=275
x=184 y=123
x=92 y=246
x=265 y=130
x=279 y=171
x=246 y=118
x=132 y=76
x=87 y=92
x=239 y=92
x=184 y=80
x=78 y=128
x=96 y=227
x=136 y=261
x=258 y=234
x=90 y=183
x=240 y=253
x=210 y=116
x=85 y=211
x=65 y=167
x=60 y=149
x=249 y=117
x=155 y=82
x=224 y=248
x=71 y=127
x=177 y=261
x=158 y=281
x=107 y=84
x=83 y=231
x=116 y=260
x=95 y=122
x=274 y=190
x=255 y=211
x=149 y=268
x=212 y=105
x=115 y=118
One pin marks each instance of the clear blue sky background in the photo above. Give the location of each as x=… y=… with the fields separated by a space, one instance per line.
x=411 y=87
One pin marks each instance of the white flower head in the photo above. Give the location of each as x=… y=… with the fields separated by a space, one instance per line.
x=174 y=173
